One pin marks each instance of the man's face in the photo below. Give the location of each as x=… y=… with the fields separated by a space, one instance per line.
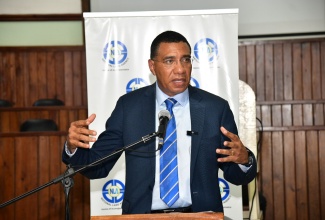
x=172 y=66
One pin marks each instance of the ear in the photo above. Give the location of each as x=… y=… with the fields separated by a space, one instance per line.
x=152 y=66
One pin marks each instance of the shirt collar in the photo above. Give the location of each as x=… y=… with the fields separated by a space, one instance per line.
x=181 y=98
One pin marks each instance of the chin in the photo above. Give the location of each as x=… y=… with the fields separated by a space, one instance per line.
x=179 y=90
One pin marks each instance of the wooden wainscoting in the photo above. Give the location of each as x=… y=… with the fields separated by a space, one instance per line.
x=32 y=73
x=288 y=77
x=12 y=118
x=29 y=161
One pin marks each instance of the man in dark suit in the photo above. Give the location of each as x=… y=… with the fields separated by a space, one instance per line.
x=206 y=138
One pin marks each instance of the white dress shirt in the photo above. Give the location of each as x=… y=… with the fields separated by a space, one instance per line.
x=182 y=115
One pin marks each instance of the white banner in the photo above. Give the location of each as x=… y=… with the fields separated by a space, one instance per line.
x=117 y=51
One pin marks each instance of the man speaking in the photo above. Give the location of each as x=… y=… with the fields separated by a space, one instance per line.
x=200 y=137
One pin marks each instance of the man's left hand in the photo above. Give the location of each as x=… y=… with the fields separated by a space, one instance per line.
x=237 y=152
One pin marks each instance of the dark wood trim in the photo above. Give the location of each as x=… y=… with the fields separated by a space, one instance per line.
x=42 y=108
x=28 y=134
x=85 y=5
x=42 y=49
x=42 y=17
x=245 y=42
x=290 y=102
x=282 y=35
x=292 y=128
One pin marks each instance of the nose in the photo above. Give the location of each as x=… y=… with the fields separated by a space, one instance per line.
x=181 y=67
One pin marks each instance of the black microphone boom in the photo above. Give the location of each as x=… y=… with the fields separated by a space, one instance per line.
x=164 y=117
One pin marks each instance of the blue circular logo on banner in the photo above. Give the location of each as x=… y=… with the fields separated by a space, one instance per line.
x=115 y=52
x=135 y=84
x=224 y=189
x=205 y=50
x=113 y=191
x=194 y=83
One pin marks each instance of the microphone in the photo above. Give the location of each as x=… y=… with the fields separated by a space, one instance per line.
x=164 y=117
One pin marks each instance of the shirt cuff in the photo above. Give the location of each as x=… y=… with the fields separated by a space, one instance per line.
x=67 y=150
x=244 y=168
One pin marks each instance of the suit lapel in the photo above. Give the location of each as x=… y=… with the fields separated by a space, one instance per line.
x=197 y=111
x=148 y=118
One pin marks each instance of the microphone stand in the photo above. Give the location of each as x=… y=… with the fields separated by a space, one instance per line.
x=67 y=180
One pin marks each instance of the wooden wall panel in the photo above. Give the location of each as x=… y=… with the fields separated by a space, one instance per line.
x=301 y=176
x=289 y=88
x=12 y=118
x=289 y=176
x=68 y=84
x=29 y=162
x=51 y=76
x=278 y=175
x=26 y=176
x=77 y=79
x=321 y=140
x=60 y=76
x=316 y=70
x=29 y=74
x=322 y=68
x=306 y=71
x=251 y=72
x=83 y=85
x=241 y=63
x=296 y=72
x=313 y=169
x=7 y=175
x=278 y=72
x=287 y=72
x=266 y=174
x=260 y=73
x=269 y=72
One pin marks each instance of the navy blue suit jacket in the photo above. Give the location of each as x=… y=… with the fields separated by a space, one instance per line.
x=134 y=117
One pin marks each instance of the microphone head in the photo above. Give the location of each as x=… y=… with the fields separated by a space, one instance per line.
x=164 y=113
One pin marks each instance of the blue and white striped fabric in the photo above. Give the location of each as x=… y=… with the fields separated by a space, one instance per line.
x=169 y=191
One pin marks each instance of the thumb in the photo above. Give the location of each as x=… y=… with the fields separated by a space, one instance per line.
x=91 y=118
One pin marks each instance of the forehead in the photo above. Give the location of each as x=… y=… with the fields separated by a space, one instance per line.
x=173 y=49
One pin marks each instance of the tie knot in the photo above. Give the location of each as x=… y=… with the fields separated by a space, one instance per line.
x=170 y=102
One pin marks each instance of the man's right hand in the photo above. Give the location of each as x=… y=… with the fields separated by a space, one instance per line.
x=79 y=134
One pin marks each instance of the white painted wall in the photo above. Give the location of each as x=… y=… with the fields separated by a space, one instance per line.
x=40 y=33
x=40 y=6
x=31 y=33
x=256 y=17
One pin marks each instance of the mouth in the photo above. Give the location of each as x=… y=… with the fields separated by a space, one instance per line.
x=182 y=80
x=179 y=83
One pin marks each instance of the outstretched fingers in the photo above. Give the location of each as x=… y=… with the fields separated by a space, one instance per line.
x=79 y=135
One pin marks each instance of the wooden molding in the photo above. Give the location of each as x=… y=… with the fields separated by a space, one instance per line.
x=292 y=128
x=42 y=17
x=291 y=102
x=42 y=48
x=33 y=134
x=42 y=108
x=304 y=37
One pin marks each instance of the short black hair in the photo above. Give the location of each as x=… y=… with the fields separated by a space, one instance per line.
x=166 y=37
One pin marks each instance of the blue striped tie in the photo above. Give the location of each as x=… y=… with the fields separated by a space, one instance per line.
x=169 y=191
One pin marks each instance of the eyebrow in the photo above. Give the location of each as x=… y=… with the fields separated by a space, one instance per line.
x=173 y=57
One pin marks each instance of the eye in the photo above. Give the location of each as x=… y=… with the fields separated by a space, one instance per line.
x=169 y=61
x=186 y=60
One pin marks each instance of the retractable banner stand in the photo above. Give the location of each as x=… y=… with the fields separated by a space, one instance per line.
x=117 y=51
